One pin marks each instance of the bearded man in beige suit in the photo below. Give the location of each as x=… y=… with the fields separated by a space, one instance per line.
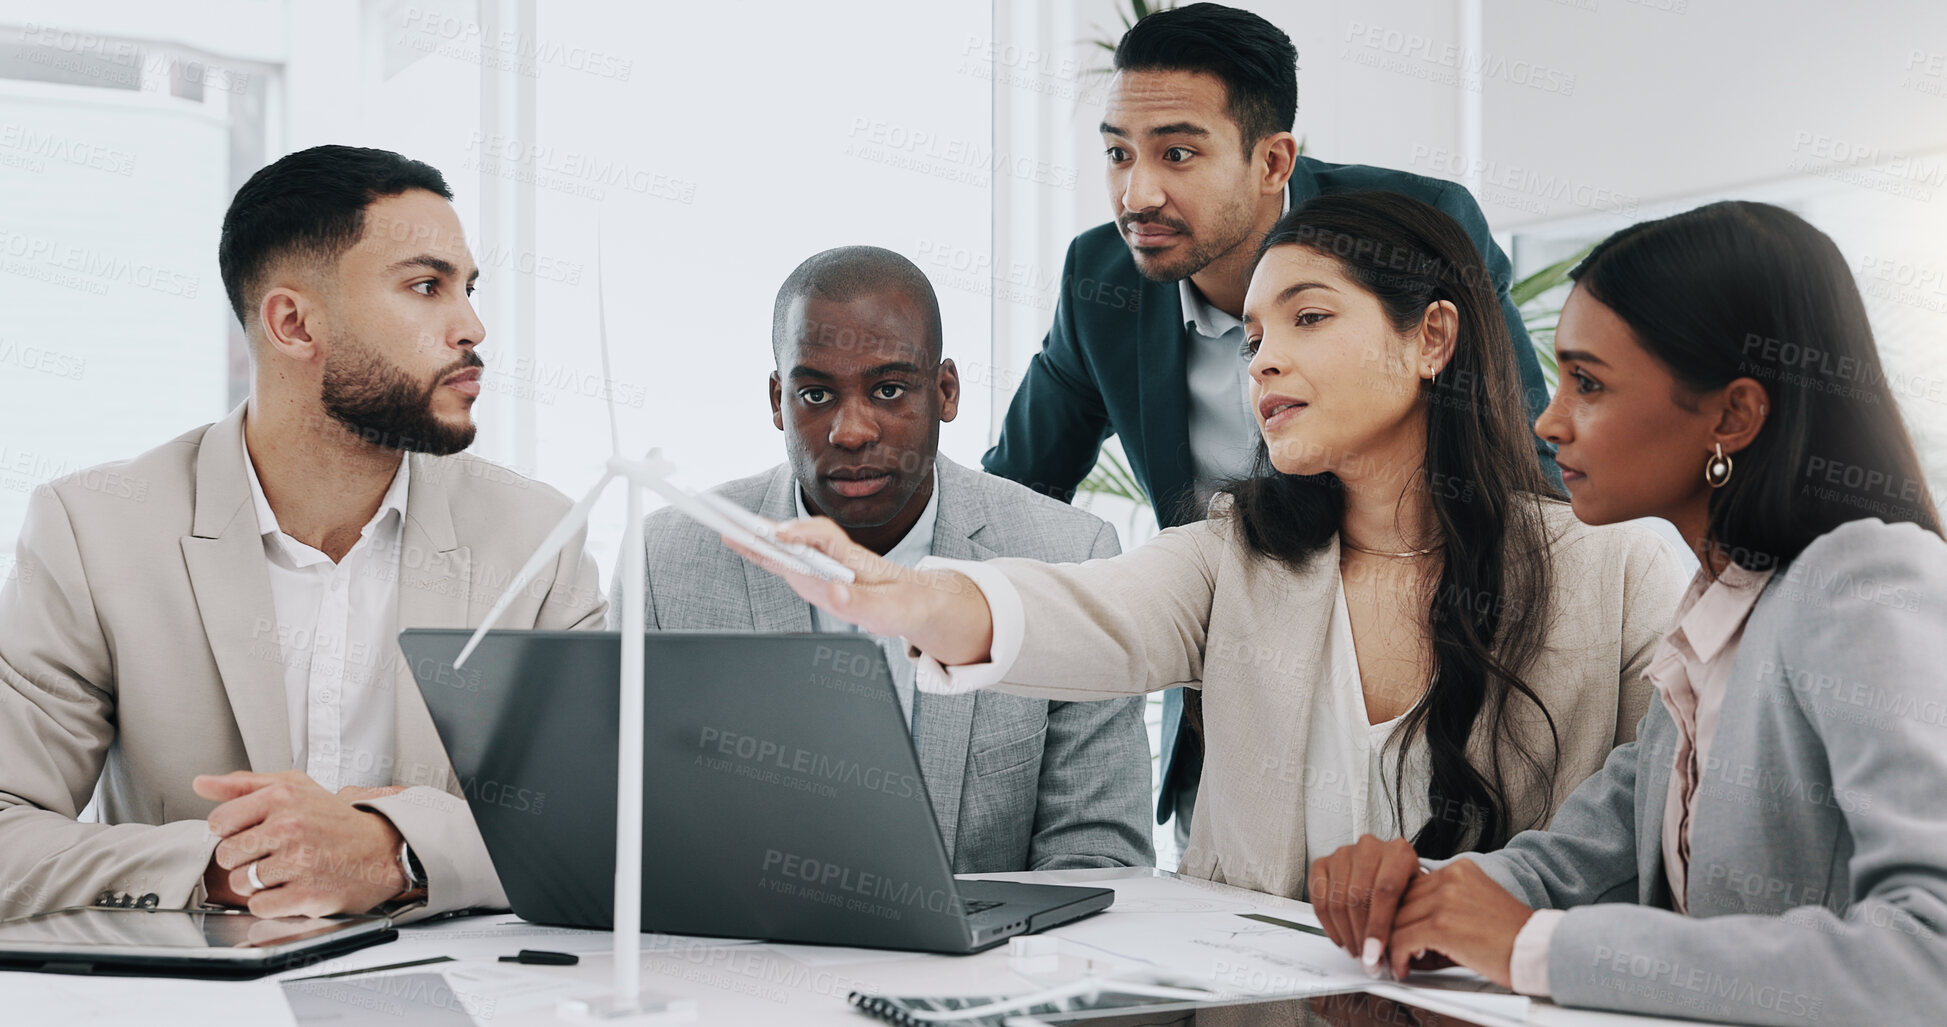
x=203 y=639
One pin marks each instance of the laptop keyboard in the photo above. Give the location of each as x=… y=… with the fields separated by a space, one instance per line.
x=972 y=906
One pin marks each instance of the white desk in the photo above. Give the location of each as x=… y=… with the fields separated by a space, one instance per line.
x=738 y=983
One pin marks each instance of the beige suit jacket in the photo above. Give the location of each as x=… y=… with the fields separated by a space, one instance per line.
x=138 y=649
x=1195 y=607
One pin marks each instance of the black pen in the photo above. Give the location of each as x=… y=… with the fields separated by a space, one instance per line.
x=542 y=957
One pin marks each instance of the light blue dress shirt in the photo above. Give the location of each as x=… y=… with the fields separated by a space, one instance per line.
x=916 y=546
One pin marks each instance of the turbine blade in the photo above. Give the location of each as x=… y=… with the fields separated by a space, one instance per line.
x=601 y=332
x=549 y=548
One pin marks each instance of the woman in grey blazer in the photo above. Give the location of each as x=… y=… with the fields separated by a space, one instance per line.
x=1773 y=846
x=1396 y=628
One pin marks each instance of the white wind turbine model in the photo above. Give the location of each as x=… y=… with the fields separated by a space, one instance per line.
x=751 y=531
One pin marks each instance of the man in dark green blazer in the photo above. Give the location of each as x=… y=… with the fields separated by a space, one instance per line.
x=1146 y=335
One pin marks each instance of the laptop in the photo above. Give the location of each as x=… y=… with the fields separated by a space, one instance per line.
x=783 y=799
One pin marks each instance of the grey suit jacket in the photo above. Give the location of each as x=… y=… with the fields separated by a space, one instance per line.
x=1016 y=783
x=138 y=649
x=1818 y=844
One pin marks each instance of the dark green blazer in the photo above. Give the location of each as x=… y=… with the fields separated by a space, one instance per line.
x=1113 y=363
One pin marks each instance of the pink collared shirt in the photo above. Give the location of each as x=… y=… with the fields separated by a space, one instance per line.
x=1690 y=669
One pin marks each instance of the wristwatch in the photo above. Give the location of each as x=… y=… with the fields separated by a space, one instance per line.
x=413 y=871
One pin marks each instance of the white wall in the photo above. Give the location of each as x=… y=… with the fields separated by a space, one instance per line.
x=112 y=318
x=753 y=138
x=1593 y=113
x=717 y=146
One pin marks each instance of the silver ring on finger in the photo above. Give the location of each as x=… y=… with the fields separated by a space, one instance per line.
x=256 y=883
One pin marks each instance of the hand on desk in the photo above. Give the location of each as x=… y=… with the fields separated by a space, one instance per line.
x=941 y=612
x=1374 y=901
x=315 y=853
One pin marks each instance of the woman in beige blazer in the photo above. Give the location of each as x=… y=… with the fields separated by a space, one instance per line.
x=1397 y=628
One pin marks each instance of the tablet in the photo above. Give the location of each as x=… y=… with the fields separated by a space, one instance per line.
x=1334 y=1009
x=227 y=943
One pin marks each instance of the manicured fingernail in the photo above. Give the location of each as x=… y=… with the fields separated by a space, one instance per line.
x=1370 y=956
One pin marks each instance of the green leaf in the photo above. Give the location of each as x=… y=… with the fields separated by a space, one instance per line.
x=1547 y=278
x=1111 y=477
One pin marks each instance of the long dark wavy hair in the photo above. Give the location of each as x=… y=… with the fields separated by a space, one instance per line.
x=1489 y=612
x=1748 y=290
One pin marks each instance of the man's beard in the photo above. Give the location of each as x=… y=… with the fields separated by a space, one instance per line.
x=1227 y=237
x=383 y=406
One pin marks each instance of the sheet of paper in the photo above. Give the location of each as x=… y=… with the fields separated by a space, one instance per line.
x=380 y=1001
x=502 y=988
x=1170 y=895
x=161 y=1002
x=1227 y=952
x=836 y=955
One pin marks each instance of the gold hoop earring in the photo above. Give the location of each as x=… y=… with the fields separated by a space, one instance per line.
x=1717 y=469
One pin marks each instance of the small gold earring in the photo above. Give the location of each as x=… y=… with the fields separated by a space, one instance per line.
x=1717 y=469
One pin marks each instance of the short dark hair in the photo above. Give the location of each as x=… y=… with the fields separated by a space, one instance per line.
x=310 y=203
x=1255 y=60
x=847 y=272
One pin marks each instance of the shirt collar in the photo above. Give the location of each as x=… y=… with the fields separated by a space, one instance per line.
x=918 y=542
x=1198 y=314
x=1717 y=609
x=394 y=500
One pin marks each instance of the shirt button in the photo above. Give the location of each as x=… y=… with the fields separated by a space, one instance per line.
x=324 y=696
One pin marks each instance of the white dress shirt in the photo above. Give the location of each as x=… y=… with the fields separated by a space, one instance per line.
x=1349 y=771
x=1350 y=761
x=917 y=545
x=1223 y=427
x=336 y=626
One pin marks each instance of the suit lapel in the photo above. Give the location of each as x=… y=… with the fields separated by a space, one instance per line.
x=224 y=553
x=773 y=606
x=1659 y=763
x=1162 y=370
x=943 y=724
x=435 y=591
